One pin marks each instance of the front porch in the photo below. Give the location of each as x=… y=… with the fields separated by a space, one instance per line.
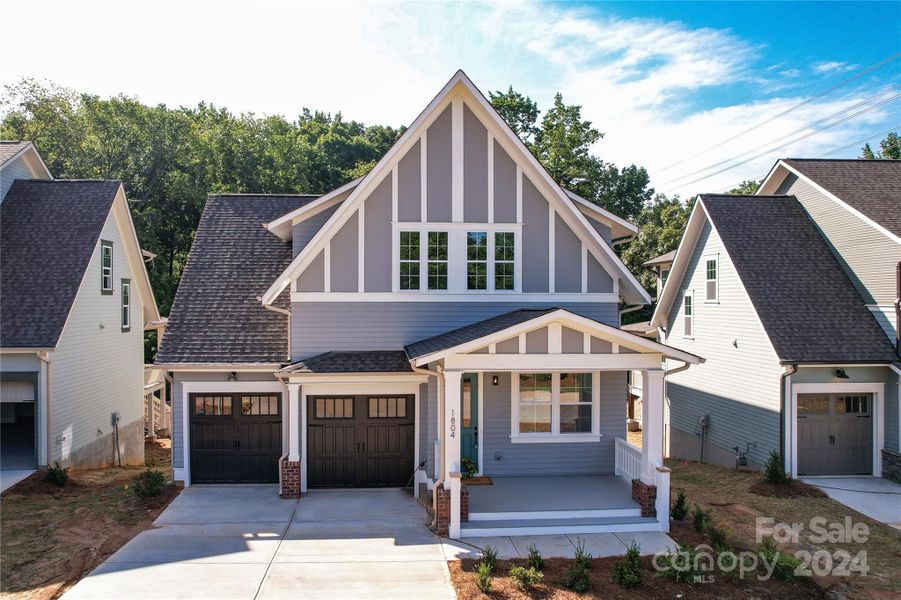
x=518 y=495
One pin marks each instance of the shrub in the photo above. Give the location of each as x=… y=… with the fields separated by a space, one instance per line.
x=775 y=469
x=582 y=558
x=469 y=467
x=525 y=578
x=680 y=508
x=489 y=557
x=680 y=564
x=628 y=572
x=719 y=538
x=483 y=576
x=700 y=518
x=576 y=578
x=149 y=483
x=535 y=559
x=786 y=563
x=57 y=474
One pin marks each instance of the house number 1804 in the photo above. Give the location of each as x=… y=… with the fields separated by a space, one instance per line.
x=453 y=424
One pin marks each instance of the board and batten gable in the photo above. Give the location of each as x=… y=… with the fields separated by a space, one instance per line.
x=102 y=366
x=738 y=385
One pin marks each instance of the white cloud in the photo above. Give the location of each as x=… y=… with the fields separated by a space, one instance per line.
x=833 y=66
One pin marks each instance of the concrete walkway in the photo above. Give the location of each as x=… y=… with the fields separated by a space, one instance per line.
x=875 y=497
x=560 y=546
x=243 y=542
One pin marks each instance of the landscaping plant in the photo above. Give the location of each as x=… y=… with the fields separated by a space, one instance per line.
x=525 y=578
x=149 y=483
x=577 y=578
x=628 y=572
x=700 y=518
x=469 y=467
x=681 y=564
x=775 y=470
x=483 y=576
x=680 y=508
x=535 y=559
x=57 y=474
x=719 y=538
x=489 y=557
x=786 y=563
x=582 y=557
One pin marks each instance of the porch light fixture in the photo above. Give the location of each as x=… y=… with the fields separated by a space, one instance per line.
x=494 y=380
x=840 y=374
x=233 y=376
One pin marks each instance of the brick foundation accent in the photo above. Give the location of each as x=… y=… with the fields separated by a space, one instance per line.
x=646 y=496
x=290 y=479
x=891 y=465
x=443 y=507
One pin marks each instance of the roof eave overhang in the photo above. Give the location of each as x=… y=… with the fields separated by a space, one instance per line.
x=282 y=226
x=680 y=263
x=216 y=367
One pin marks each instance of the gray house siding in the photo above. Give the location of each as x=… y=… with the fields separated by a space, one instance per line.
x=16 y=169
x=475 y=161
x=438 y=169
x=535 y=213
x=409 y=185
x=313 y=277
x=377 y=238
x=504 y=186
x=592 y=458
x=868 y=256
x=318 y=327
x=567 y=255
x=738 y=385
x=602 y=229
x=599 y=280
x=344 y=257
x=304 y=231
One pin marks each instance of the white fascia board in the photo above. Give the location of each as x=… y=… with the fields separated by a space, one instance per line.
x=603 y=215
x=135 y=256
x=573 y=321
x=684 y=250
x=772 y=180
x=42 y=172
x=281 y=226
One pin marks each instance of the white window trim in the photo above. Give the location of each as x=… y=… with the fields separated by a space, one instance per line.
x=555 y=437
x=400 y=260
x=489 y=262
x=104 y=244
x=424 y=285
x=716 y=259
x=689 y=294
x=125 y=307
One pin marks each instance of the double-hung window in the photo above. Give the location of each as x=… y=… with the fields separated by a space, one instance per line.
x=476 y=260
x=437 y=260
x=711 y=276
x=126 y=304
x=555 y=407
x=688 y=315
x=504 y=260
x=409 y=260
x=106 y=267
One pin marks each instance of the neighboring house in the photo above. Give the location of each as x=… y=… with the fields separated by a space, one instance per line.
x=74 y=300
x=783 y=295
x=453 y=308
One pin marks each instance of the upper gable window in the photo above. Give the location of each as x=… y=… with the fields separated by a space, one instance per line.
x=476 y=260
x=711 y=280
x=437 y=260
x=409 y=260
x=126 y=305
x=106 y=267
x=688 y=315
x=504 y=260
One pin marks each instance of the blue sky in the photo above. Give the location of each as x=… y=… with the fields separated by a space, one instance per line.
x=680 y=88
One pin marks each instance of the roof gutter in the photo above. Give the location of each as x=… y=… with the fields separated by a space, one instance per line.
x=622 y=240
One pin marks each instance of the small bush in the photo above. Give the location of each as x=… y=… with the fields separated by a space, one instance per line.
x=535 y=559
x=680 y=564
x=628 y=572
x=786 y=563
x=57 y=474
x=149 y=483
x=483 y=577
x=680 y=508
x=525 y=578
x=701 y=518
x=489 y=557
x=582 y=558
x=775 y=469
x=719 y=538
x=577 y=578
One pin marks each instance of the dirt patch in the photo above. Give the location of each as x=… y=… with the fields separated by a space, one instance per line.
x=792 y=489
x=51 y=536
x=602 y=584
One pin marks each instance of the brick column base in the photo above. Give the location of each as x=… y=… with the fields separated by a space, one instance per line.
x=290 y=479
x=443 y=503
x=646 y=496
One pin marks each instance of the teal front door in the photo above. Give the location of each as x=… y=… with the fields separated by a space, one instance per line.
x=469 y=408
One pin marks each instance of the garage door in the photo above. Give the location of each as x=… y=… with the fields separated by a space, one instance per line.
x=359 y=441
x=835 y=434
x=235 y=438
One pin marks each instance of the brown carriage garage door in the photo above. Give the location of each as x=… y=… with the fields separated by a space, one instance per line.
x=235 y=438
x=360 y=441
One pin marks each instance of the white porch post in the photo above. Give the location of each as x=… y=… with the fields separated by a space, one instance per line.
x=452 y=383
x=651 y=423
x=293 y=422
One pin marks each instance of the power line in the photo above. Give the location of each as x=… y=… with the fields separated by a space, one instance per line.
x=842 y=83
x=813 y=125
x=863 y=141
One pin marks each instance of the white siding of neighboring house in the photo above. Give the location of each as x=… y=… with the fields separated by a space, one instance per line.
x=98 y=369
x=14 y=169
x=738 y=385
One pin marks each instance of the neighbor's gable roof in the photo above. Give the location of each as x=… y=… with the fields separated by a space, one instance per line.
x=48 y=232
x=661 y=260
x=370 y=361
x=808 y=307
x=216 y=316
x=869 y=189
x=10 y=150
x=461 y=85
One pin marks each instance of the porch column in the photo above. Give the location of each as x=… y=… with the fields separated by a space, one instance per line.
x=651 y=423
x=293 y=422
x=452 y=482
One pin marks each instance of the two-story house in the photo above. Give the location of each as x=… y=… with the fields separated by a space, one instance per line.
x=453 y=312
x=74 y=300
x=791 y=295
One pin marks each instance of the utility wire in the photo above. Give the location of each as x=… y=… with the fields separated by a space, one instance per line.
x=813 y=125
x=792 y=108
x=863 y=141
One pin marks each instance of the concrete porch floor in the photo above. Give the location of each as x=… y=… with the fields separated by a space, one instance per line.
x=559 y=545
x=523 y=494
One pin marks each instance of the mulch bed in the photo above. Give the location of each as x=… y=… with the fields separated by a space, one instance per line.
x=792 y=489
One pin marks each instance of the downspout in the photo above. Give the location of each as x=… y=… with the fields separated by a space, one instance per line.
x=792 y=369
x=439 y=468
x=44 y=357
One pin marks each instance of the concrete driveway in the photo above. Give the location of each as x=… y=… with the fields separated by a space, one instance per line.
x=875 y=497
x=243 y=542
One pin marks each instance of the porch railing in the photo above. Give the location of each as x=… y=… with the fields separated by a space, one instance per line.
x=628 y=460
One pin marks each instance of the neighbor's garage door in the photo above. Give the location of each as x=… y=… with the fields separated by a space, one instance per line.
x=235 y=438
x=835 y=434
x=360 y=441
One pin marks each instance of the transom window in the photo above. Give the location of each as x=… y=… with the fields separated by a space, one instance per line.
x=106 y=267
x=476 y=260
x=126 y=305
x=711 y=282
x=259 y=405
x=387 y=408
x=437 y=259
x=504 y=260
x=213 y=406
x=409 y=260
x=334 y=408
x=554 y=407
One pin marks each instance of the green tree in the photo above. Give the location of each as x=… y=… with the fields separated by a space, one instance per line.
x=746 y=188
x=520 y=112
x=889 y=148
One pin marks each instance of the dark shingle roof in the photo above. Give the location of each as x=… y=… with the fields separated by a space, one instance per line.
x=474 y=331
x=663 y=258
x=808 y=306
x=216 y=316
x=872 y=187
x=48 y=231
x=9 y=149
x=373 y=361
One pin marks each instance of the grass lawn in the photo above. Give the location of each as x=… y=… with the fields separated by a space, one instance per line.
x=50 y=537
